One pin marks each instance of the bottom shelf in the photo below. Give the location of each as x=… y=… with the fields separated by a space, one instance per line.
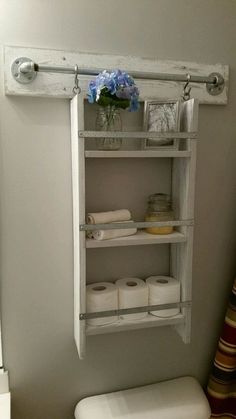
x=148 y=321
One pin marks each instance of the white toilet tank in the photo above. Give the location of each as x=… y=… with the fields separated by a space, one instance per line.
x=181 y=398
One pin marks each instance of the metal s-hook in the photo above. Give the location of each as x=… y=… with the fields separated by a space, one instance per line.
x=187 y=89
x=76 y=88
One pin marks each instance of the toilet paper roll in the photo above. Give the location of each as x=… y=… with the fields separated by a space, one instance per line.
x=100 y=297
x=163 y=290
x=132 y=292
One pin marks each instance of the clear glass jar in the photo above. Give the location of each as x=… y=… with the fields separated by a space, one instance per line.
x=159 y=209
x=108 y=119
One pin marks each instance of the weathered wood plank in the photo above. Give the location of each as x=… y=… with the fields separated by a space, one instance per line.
x=61 y=85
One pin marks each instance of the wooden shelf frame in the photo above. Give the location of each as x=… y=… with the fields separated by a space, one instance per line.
x=180 y=241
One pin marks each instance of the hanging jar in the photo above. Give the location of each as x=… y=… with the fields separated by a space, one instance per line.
x=159 y=209
x=108 y=119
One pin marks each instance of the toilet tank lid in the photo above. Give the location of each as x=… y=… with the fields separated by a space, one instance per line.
x=181 y=398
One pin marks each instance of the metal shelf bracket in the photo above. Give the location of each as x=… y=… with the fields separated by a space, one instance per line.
x=23 y=70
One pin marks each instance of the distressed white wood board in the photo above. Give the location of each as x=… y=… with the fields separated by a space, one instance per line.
x=61 y=85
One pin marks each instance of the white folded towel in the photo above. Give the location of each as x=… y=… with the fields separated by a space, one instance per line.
x=108 y=216
x=112 y=234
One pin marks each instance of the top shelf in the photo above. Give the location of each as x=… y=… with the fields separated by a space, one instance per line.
x=161 y=151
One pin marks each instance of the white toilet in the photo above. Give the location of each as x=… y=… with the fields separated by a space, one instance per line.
x=181 y=398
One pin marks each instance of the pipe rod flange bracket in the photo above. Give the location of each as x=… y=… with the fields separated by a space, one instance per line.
x=23 y=70
x=217 y=87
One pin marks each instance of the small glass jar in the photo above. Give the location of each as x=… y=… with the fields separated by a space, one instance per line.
x=159 y=209
x=108 y=119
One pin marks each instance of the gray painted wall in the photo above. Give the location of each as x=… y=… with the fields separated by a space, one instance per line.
x=46 y=376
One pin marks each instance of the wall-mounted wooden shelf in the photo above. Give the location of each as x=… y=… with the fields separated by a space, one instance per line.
x=180 y=241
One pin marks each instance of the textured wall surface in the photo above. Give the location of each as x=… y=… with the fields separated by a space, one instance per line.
x=46 y=376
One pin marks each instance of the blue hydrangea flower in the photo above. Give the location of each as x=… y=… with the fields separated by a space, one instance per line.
x=92 y=92
x=115 y=88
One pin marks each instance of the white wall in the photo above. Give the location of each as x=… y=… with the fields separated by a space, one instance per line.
x=46 y=376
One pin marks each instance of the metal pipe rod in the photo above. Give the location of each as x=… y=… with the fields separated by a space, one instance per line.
x=137 y=224
x=28 y=67
x=133 y=310
x=24 y=71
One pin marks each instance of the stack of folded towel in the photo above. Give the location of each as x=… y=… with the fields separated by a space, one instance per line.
x=118 y=216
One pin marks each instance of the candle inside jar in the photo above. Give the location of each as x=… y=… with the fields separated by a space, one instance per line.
x=159 y=209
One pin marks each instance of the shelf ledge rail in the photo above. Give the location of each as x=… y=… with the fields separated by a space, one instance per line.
x=138 y=134
x=135 y=224
x=24 y=70
x=133 y=310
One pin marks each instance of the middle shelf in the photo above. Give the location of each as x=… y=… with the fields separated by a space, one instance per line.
x=140 y=238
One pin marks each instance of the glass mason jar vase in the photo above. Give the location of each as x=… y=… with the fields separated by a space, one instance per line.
x=108 y=119
x=159 y=209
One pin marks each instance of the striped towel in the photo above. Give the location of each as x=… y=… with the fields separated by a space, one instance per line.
x=222 y=383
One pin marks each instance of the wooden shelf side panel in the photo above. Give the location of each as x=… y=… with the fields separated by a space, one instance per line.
x=183 y=187
x=78 y=193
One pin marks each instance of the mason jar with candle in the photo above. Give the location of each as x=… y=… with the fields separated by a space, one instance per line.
x=159 y=209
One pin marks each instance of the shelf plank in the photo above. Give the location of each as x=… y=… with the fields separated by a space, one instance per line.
x=123 y=325
x=140 y=238
x=136 y=153
x=137 y=134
